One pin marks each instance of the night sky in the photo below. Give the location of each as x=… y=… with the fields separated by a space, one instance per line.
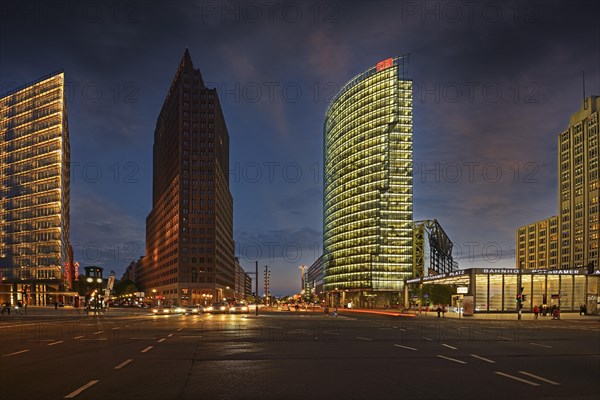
x=494 y=84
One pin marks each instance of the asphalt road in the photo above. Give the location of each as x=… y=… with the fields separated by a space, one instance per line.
x=295 y=356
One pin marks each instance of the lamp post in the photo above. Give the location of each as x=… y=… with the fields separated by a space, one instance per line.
x=519 y=290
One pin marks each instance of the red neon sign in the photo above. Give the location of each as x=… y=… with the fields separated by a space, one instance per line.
x=385 y=64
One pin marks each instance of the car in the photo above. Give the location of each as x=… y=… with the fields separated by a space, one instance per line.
x=162 y=311
x=193 y=310
x=177 y=310
x=219 y=308
x=239 y=308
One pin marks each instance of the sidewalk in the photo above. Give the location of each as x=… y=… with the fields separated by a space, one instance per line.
x=477 y=316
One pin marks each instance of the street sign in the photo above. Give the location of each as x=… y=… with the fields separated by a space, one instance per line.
x=462 y=290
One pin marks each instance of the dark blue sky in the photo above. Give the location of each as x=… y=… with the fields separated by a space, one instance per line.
x=494 y=84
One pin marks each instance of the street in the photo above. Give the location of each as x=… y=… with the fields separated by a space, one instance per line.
x=295 y=355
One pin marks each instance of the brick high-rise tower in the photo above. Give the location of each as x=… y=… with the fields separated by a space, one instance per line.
x=189 y=232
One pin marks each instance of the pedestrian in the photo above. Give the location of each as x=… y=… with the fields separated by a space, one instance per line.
x=56 y=305
x=443 y=311
x=297 y=307
x=536 y=311
x=584 y=309
x=335 y=312
x=581 y=309
x=6 y=308
x=439 y=310
x=326 y=310
x=554 y=312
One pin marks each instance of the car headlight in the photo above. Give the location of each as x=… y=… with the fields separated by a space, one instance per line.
x=244 y=308
x=209 y=309
x=222 y=308
x=155 y=310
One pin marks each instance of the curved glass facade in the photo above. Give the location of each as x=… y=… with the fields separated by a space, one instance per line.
x=367 y=226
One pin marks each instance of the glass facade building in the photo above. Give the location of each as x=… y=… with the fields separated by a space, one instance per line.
x=34 y=183
x=495 y=289
x=367 y=217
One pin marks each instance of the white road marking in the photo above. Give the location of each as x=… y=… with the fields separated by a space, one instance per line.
x=516 y=378
x=124 y=363
x=170 y=335
x=452 y=359
x=78 y=337
x=529 y=374
x=450 y=347
x=81 y=389
x=405 y=347
x=53 y=343
x=162 y=340
x=504 y=337
x=483 y=358
x=97 y=333
x=541 y=345
x=331 y=333
x=428 y=339
x=363 y=338
x=116 y=328
x=15 y=353
x=179 y=330
x=147 y=349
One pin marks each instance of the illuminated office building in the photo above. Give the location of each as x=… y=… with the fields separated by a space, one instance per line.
x=578 y=187
x=368 y=148
x=34 y=190
x=189 y=232
x=572 y=239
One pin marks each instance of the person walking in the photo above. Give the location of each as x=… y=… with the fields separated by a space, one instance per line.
x=439 y=310
x=444 y=311
x=581 y=309
x=536 y=312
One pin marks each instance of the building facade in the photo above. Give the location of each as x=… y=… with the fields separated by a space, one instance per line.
x=367 y=221
x=36 y=263
x=189 y=232
x=495 y=289
x=537 y=245
x=314 y=277
x=432 y=249
x=572 y=239
x=578 y=187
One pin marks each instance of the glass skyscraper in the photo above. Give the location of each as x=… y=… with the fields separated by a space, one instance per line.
x=34 y=186
x=367 y=208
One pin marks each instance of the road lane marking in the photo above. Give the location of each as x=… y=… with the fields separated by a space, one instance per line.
x=477 y=333
x=179 y=330
x=516 y=378
x=147 y=349
x=170 y=335
x=162 y=340
x=124 y=363
x=53 y=343
x=363 y=338
x=78 y=337
x=97 y=333
x=115 y=328
x=483 y=358
x=541 y=345
x=15 y=353
x=428 y=339
x=331 y=333
x=81 y=389
x=452 y=359
x=450 y=347
x=504 y=337
x=529 y=374
x=405 y=347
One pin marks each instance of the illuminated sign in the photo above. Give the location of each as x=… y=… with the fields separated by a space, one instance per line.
x=384 y=64
x=462 y=290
